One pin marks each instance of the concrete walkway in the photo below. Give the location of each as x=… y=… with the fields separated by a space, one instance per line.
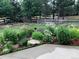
x=46 y=51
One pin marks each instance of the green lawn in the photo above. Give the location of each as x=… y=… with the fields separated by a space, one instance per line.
x=73 y=17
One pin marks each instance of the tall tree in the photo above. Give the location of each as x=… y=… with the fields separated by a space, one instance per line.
x=15 y=14
x=53 y=6
x=62 y=4
x=5 y=8
x=46 y=9
x=77 y=7
x=9 y=8
x=27 y=9
x=32 y=8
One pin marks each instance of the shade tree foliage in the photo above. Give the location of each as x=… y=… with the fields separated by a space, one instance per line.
x=32 y=8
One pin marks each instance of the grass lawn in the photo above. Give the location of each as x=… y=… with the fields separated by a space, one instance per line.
x=73 y=17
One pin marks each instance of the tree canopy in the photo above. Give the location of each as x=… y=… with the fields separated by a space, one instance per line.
x=31 y=8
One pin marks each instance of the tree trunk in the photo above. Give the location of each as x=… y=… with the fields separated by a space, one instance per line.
x=63 y=13
x=53 y=15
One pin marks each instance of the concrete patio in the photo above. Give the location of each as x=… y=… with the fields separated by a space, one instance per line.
x=46 y=51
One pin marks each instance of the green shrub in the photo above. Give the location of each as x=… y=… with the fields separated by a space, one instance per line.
x=74 y=32
x=23 y=42
x=52 y=29
x=63 y=35
x=40 y=30
x=10 y=35
x=7 y=48
x=21 y=34
x=2 y=40
x=29 y=32
x=37 y=35
x=47 y=36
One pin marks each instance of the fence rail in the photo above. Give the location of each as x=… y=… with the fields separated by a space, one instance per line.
x=57 y=21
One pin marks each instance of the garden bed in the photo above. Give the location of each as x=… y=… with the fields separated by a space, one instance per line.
x=15 y=38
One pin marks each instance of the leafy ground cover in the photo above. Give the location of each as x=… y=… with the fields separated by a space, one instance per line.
x=14 y=38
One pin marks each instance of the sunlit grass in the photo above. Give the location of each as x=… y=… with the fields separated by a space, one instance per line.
x=73 y=17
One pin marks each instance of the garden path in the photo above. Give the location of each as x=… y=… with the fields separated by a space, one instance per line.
x=47 y=51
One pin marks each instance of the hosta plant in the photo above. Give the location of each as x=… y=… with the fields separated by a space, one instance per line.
x=47 y=36
x=37 y=35
x=7 y=48
x=10 y=35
